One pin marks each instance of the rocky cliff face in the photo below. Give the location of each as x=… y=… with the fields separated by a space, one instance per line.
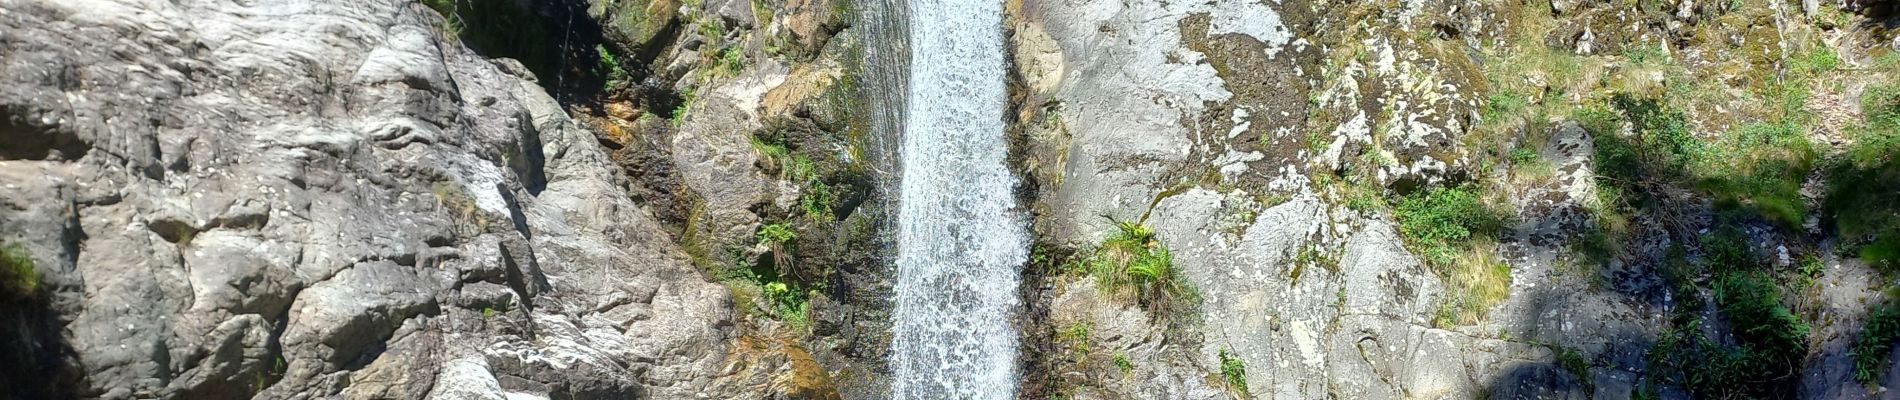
x=314 y=199
x=503 y=199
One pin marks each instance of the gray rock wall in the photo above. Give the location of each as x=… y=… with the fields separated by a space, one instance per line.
x=312 y=199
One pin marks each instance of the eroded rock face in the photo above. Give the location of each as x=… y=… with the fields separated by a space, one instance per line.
x=313 y=199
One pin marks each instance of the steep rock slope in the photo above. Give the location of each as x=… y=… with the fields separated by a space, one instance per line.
x=310 y=199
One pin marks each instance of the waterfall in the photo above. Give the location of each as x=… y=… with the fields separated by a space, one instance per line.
x=959 y=238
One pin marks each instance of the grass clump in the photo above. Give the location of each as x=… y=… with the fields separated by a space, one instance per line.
x=685 y=105
x=1131 y=260
x=1876 y=340
x=1234 y=372
x=1123 y=363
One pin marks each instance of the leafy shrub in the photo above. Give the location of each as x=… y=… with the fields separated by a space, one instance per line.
x=1876 y=340
x=1131 y=260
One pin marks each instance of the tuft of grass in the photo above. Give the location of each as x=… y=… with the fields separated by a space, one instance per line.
x=452 y=19
x=1572 y=360
x=1523 y=155
x=1876 y=340
x=1504 y=105
x=1688 y=359
x=1131 y=260
x=1123 y=363
x=1234 y=372
x=1764 y=360
x=679 y=111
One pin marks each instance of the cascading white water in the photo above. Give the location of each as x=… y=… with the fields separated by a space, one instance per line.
x=959 y=240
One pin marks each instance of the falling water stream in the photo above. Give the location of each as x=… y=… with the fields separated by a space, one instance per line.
x=959 y=238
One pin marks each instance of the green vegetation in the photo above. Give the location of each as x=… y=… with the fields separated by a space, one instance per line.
x=817 y=202
x=1860 y=193
x=1753 y=306
x=1454 y=230
x=686 y=103
x=729 y=61
x=1876 y=340
x=753 y=285
x=1077 y=337
x=452 y=20
x=1123 y=363
x=1234 y=372
x=1706 y=368
x=1770 y=339
x=1759 y=168
x=1572 y=361
x=1440 y=220
x=790 y=306
x=19 y=280
x=610 y=68
x=1132 y=260
x=775 y=237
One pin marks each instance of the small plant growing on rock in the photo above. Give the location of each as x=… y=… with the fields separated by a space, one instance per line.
x=1132 y=260
x=1234 y=372
x=19 y=281
x=1123 y=363
x=774 y=237
x=1077 y=336
x=610 y=67
x=1439 y=220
